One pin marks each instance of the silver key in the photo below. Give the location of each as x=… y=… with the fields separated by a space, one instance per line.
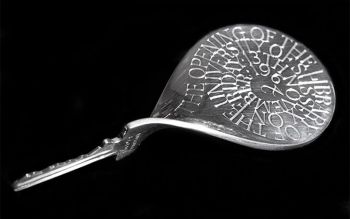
x=247 y=84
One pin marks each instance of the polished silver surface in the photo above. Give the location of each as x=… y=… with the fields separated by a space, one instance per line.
x=247 y=84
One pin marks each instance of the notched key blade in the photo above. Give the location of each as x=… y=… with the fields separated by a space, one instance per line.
x=58 y=169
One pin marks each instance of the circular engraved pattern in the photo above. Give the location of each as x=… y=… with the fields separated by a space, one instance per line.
x=260 y=81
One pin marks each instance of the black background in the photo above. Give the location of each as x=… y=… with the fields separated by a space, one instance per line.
x=73 y=75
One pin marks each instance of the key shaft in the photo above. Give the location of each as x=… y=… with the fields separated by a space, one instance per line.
x=30 y=179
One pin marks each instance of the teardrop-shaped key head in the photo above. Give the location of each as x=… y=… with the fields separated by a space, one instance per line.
x=258 y=86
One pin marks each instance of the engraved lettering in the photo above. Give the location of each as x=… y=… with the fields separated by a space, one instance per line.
x=261 y=82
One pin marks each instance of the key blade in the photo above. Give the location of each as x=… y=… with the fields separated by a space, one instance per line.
x=37 y=177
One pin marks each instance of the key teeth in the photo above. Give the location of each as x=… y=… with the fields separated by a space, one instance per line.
x=107 y=141
x=32 y=174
